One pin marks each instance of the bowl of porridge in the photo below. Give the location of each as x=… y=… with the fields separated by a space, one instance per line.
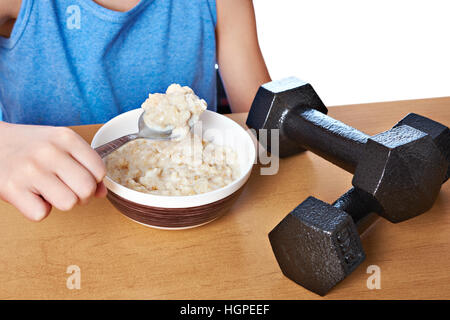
x=184 y=182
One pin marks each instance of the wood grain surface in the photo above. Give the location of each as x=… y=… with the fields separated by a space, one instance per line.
x=229 y=258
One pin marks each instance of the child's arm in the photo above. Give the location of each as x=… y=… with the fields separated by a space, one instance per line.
x=41 y=167
x=241 y=63
x=9 y=9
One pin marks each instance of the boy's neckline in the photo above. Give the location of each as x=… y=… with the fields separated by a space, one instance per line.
x=109 y=14
x=102 y=5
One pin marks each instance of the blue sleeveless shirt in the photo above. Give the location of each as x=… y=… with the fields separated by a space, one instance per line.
x=71 y=62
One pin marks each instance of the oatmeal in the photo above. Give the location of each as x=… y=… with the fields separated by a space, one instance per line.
x=177 y=109
x=173 y=168
x=185 y=166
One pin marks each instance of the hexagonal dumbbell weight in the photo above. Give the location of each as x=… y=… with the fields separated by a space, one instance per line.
x=438 y=132
x=317 y=245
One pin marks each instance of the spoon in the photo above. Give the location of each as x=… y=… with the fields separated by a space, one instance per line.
x=145 y=132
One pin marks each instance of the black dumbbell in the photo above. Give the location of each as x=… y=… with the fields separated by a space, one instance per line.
x=317 y=245
x=402 y=168
x=398 y=174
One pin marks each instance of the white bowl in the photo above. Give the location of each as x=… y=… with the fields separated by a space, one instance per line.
x=215 y=127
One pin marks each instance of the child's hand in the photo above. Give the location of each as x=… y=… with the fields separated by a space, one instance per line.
x=41 y=167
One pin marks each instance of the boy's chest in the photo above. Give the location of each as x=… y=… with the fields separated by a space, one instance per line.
x=78 y=66
x=114 y=5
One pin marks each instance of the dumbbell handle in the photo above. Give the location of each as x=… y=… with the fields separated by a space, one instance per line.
x=360 y=206
x=329 y=138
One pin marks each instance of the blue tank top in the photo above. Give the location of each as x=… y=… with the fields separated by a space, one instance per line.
x=72 y=62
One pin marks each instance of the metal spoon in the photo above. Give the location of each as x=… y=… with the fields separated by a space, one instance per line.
x=145 y=132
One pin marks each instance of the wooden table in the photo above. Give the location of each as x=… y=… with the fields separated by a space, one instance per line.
x=230 y=258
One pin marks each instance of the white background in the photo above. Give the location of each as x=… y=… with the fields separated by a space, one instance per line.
x=356 y=51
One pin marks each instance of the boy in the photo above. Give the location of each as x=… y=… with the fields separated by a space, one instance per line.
x=71 y=62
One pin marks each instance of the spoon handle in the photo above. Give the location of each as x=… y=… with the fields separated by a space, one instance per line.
x=109 y=147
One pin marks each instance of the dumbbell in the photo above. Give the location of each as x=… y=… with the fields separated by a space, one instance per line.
x=400 y=170
x=317 y=245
